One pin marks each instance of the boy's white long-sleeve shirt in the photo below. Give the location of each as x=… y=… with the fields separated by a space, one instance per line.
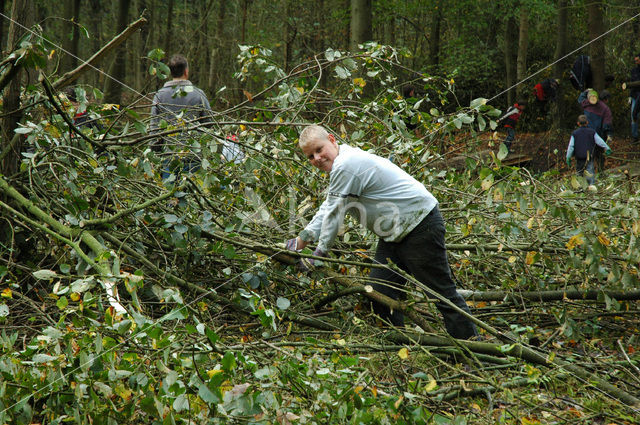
x=382 y=196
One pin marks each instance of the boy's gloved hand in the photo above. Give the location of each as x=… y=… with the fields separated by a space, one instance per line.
x=292 y=244
x=568 y=161
x=306 y=264
x=608 y=152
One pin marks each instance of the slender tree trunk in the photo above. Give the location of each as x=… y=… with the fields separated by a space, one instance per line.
x=321 y=31
x=347 y=24
x=392 y=28
x=71 y=36
x=95 y=22
x=561 y=50
x=596 y=49
x=434 y=37
x=219 y=52
x=245 y=7
x=361 y=17
x=168 y=35
x=523 y=44
x=114 y=85
x=286 y=34
x=2 y=26
x=11 y=100
x=510 y=34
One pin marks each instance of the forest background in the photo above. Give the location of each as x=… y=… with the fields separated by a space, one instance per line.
x=126 y=298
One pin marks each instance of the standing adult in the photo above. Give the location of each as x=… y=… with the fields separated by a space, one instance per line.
x=600 y=119
x=634 y=94
x=397 y=208
x=180 y=105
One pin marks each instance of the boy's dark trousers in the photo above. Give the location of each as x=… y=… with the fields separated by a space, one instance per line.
x=422 y=253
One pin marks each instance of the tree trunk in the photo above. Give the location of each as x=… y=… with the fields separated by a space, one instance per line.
x=114 y=85
x=434 y=37
x=510 y=34
x=168 y=34
x=245 y=7
x=523 y=44
x=596 y=49
x=218 y=54
x=286 y=34
x=2 y=26
x=361 y=17
x=561 y=50
x=71 y=34
x=11 y=100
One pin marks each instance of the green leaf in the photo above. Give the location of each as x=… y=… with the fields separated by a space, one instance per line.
x=342 y=73
x=44 y=274
x=181 y=403
x=62 y=303
x=502 y=152
x=228 y=361
x=283 y=303
x=207 y=395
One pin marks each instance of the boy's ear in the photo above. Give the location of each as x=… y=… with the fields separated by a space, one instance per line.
x=332 y=138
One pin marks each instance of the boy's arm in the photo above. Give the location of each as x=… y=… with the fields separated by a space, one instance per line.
x=325 y=224
x=601 y=142
x=570 y=149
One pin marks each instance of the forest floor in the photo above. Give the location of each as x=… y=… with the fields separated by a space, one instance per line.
x=541 y=152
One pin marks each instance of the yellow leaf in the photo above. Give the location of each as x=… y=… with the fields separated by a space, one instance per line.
x=531 y=256
x=530 y=223
x=529 y=421
x=603 y=239
x=432 y=385
x=359 y=82
x=513 y=259
x=403 y=353
x=398 y=402
x=6 y=293
x=574 y=241
x=374 y=391
x=358 y=389
x=212 y=372
x=75 y=296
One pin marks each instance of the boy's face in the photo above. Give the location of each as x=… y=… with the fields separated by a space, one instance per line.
x=322 y=152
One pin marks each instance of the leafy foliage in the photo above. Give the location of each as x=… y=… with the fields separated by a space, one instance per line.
x=217 y=331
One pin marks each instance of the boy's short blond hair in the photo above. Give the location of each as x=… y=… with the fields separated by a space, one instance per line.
x=312 y=132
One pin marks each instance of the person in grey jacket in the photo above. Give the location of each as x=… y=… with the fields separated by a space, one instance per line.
x=180 y=104
x=397 y=208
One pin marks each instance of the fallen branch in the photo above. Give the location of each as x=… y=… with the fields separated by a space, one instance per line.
x=74 y=74
x=558 y=295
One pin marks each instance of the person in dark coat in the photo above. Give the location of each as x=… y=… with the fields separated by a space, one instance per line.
x=634 y=94
x=582 y=145
x=510 y=120
x=581 y=76
x=600 y=119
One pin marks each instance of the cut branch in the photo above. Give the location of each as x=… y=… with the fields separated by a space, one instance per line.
x=74 y=74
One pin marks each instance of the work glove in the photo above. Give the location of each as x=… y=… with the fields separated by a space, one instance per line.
x=307 y=264
x=608 y=152
x=292 y=244
x=568 y=161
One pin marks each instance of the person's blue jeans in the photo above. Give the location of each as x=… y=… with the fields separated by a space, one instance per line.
x=634 y=122
x=586 y=166
x=423 y=254
x=172 y=166
x=511 y=136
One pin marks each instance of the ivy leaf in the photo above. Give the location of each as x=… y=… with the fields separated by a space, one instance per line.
x=283 y=303
x=44 y=274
